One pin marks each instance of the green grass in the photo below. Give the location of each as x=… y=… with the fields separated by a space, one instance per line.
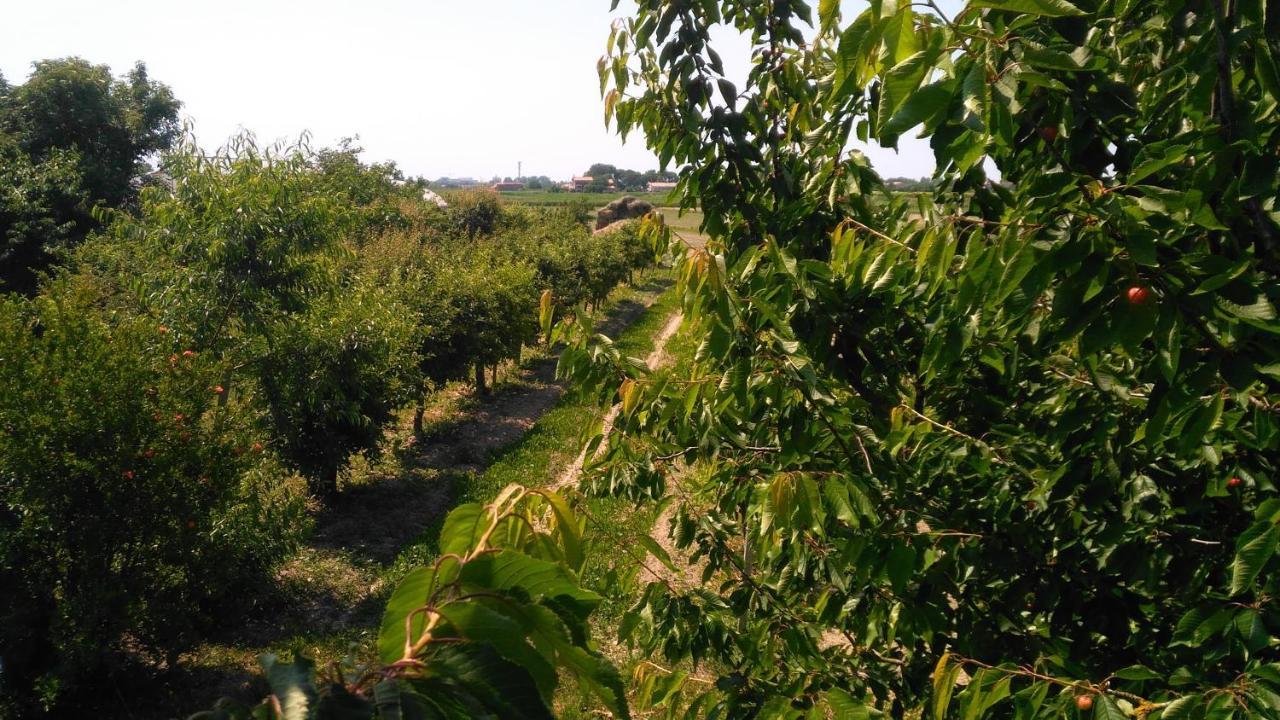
x=684 y=222
x=548 y=447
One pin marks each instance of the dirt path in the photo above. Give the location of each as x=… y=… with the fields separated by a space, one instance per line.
x=656 y=359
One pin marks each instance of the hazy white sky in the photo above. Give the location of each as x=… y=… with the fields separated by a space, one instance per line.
x=443 y=87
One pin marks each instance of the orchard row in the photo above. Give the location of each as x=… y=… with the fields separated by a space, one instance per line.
x=195 y=371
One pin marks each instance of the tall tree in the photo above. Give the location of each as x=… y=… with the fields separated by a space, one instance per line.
x=72 y=113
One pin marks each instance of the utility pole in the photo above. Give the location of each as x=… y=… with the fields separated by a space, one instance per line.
x=519 y=169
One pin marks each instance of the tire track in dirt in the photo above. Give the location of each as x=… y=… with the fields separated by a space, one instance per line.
x=656 y=359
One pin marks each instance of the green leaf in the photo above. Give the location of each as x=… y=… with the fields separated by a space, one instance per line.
x=926 y=105
x=844 y=707
x=1137 y=672
x=567 y=530
x=1106 y=709
x=1252 y=631
x=292 y=684
x=901 y=565
x=480 y=622
x=1254 y=548
x=903 y=79
x=487 y=681
x=412 y=593
x=509 y=570
x=944 y=684
x=657 y=551
x=1047 y=8
x=1179 y=709
x=828 y=12
x=463 y=528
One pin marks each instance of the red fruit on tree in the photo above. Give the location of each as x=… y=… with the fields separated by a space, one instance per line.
x=191 y=524
x=1084 y=703
x=149 y=453
x=1234 y=482
x=128 y=474
x=257 y=447
x=188 y=353
x=162 y=329
x=1138 y=295
x=1049 y=133
x=218 y=390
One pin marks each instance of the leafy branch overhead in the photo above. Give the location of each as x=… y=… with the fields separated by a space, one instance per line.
x=1028 y=419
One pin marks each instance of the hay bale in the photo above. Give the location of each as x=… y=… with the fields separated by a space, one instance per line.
x=622 y=209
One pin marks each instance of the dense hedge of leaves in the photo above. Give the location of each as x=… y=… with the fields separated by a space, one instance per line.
x=1004 y=449
x=264 y=312
x=132 y=500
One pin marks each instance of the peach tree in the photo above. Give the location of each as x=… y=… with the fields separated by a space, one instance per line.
x=1002 y=449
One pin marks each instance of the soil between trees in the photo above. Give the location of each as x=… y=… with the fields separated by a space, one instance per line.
x=328 y=598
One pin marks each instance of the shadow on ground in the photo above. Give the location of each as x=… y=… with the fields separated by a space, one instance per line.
x=335 y=585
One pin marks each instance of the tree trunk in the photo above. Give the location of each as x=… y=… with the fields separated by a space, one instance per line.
x=417 y=418
x=325 y=486
x=481 y=389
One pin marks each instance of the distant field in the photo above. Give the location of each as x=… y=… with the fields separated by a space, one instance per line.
x=543 y=197
x=686 y=222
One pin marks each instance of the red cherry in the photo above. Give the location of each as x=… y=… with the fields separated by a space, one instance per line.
x=1234 y=482
x=191 y=524
x=1049 y=133
x=188 y=353
x=1138 y=295
x=173 y=359
x=1084 y=703
x=128 y=474
x=218 y=390
x=149 y=453
x=178 y=417
x=162 y=330
x=257 y=447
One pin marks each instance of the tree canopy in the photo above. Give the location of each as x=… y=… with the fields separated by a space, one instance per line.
x=1009 y=442
x=73 y=138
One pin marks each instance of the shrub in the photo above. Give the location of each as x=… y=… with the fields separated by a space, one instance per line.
x=334 y=373
x=491 y=305
x=474 y=212
x=132 y=499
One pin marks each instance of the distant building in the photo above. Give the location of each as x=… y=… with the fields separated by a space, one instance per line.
x=508 y=186
x=660 y=186
x=581 y=183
